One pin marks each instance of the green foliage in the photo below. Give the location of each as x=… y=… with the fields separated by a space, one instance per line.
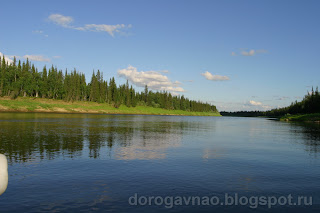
x=309 y=104
x=303 y=117
x=24 y=80
x=296 y=111
x=243 y=113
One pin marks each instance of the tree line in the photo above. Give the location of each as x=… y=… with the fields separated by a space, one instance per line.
x=256 y=113
x=23 y=79
x=309 y=104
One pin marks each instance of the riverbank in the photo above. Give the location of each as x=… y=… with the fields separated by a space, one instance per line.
x=26 y=104
x=314 y=117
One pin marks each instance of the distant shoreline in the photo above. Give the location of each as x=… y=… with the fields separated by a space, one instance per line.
x=27 y=104
x=313 y=117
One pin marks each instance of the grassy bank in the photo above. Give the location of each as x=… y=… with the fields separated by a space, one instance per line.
x=48 y=105
x=314 y=117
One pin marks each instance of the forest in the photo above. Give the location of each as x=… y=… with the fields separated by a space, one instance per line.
x=309 y=104
x=24 y=79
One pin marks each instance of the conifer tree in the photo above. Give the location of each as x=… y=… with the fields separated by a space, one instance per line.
x=25 y=80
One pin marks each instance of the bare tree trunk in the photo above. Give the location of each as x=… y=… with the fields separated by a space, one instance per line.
x=1 y=87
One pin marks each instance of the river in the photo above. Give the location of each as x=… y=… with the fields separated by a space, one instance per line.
x=139 y=163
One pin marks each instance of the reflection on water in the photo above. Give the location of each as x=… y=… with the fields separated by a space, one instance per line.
x=78 y=162
x=311 y=135
x=46 y=136
x=152 y=148
x=26 y=136
x=213 y=153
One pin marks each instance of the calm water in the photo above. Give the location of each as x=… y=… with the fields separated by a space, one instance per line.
x=75 y=162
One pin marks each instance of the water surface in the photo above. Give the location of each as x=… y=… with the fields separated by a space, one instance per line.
x=82 y=162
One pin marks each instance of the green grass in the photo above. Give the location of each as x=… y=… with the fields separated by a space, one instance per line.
x=17 y=105
x=302 y=117
x=26 y=104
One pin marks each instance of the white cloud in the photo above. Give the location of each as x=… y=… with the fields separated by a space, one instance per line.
x=40 y=32
x=111 y=29
x=36 y=58
x=30 y=57
x=232 y=106
x=211 y=77
x=254 y=103
x=248 y=53
x=61 y=20
x=66 y=21
x=12 y=56
x=153 y=79
x=6 y=58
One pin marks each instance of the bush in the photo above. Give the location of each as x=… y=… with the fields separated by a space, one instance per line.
x=14 y=95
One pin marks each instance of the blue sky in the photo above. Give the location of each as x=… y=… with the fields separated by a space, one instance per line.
x=238 y=55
